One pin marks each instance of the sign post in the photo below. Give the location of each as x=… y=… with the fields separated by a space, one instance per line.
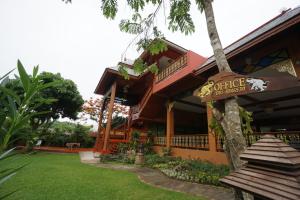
x=228 y=84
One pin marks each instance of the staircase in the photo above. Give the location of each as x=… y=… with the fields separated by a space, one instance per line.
x=137 y=109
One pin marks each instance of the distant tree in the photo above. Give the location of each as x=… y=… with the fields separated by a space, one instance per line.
x=66 y=101
x=92 y=108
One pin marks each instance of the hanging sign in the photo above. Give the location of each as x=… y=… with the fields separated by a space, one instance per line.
x=229 y=84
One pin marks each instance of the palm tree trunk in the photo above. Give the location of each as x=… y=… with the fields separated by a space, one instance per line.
x=228 y=113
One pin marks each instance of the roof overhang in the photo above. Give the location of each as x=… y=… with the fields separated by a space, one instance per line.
x=278 y=24
x=108 y=77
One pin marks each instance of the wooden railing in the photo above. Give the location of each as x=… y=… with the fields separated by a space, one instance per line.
x=290 y=137
x=220 y=143
x=180 y=63
x=159 y=141
x=135 y=110
x=190 y=141
x=145 y=99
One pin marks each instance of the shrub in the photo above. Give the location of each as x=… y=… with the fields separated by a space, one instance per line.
x=121 y=158
x=188 y=170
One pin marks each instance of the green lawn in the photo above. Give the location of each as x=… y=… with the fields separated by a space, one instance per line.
x=62 y=176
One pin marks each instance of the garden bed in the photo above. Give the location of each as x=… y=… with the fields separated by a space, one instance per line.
x=188 y=170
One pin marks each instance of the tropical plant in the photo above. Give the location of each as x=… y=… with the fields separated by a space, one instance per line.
x=7 y=173
x=15 y=112
x=67 y=104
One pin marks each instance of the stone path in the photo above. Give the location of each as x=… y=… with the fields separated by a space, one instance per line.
x=157 y=179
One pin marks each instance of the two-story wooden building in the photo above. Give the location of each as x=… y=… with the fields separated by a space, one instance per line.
x=164 y=104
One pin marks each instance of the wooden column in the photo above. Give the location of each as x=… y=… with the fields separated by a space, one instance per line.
x=211 y=136
x=170 y=124
x=109 y=115
x=99 y=142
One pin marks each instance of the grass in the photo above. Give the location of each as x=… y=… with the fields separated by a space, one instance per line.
x=62 y=176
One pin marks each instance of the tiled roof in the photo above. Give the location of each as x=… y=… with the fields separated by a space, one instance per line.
x=285 y=16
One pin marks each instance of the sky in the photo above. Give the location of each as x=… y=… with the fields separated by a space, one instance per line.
x=78 y=42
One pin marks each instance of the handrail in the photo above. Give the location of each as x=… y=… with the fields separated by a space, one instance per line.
x=290 y=137
x=145 y=99
x=135 y=110
x=179 y=63
x=190 y=141
x=159 y=141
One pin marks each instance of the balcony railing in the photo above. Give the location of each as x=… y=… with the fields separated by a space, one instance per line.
x=290 y=137
x=159 y=141
x=190 y=141
x=180 y=63
x=220 y=143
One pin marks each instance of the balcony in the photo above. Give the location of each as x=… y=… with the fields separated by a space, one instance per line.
x=178 y=64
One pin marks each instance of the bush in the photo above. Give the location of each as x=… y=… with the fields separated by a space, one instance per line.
x=188 y=170
x=121 y=158
x=60 y=133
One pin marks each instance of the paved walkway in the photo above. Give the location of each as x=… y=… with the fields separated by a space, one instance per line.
x=157 y=179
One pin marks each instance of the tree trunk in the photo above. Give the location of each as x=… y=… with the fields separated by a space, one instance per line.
x=227 y=114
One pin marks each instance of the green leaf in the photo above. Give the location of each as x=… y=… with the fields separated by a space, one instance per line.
x=179 y=17
x=200 y=4
x=11 y=93
x=136 y=17
x=123 y=72
x=7 y=74
x=6 y=153
x=130 y=27
x=35 y=71
x=109 y=8
x=12 y=107
x=25 y=79
x=139 y=66
x=136 y=5
x=47 y=85
x=157 y=46
x=2 y=118
x=153 y=68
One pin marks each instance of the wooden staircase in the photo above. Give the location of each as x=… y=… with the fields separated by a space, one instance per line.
x=137 y=109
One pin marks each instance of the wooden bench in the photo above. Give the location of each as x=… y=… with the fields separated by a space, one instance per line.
x=72 y=145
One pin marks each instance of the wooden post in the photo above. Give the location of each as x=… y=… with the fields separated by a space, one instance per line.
x=170 y=124
x=211 y=136
x=109 y=115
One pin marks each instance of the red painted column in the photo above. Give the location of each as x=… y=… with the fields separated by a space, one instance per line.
x=109 y=116
x=170 y=124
